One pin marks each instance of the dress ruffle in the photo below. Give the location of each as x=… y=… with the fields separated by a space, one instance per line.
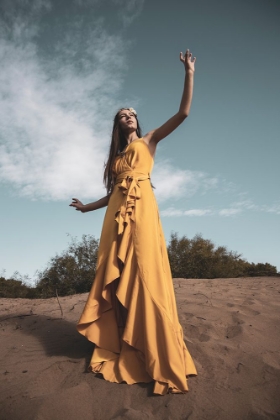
x=128 y=183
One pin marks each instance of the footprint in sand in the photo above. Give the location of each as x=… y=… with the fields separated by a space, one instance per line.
x=199 y=333
x=187 y=316
x=233 y=331
x=249 y=311
x=249 y=301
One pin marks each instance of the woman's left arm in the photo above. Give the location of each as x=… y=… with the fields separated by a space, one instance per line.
x=160 y=133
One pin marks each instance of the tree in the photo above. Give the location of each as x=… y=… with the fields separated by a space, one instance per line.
x=71 y=272
x=199 y=258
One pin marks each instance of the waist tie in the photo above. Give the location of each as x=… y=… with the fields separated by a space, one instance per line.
x=129 y=184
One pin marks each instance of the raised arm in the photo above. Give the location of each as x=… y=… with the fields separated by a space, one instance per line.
x=160 y=133
x=84 y=208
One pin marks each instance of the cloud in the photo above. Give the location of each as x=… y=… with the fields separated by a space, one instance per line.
x=129 y=10
x=85 y=3
x=245 y=205
x=52 y=110
x=275 y=208
x=197 y=212
x=171 y=211
x=229 y=212
x=226 y=212
x=22 y=11
x=235 y=209
x=264 y=208
x=177 y=183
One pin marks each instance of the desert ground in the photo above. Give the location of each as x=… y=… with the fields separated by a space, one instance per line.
x=232 y=330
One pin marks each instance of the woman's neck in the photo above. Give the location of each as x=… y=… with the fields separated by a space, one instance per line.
x=131 y=137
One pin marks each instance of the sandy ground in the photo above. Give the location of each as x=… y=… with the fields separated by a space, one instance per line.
x=232 y=330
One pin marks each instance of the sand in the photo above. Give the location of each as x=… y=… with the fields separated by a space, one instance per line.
x=232 y=330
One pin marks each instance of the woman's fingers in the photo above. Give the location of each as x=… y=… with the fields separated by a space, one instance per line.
x=77 y=207
x=187 y=57
x=75 y=203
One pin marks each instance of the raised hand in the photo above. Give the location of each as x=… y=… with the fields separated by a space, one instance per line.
x=78 y=205
x=188 y=61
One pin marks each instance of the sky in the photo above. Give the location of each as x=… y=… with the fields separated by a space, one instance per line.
x=67 y=66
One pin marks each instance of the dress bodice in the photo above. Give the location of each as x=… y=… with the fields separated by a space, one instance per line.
x=136 y=158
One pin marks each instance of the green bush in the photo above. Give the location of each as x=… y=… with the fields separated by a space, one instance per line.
x=199 y=258
x=71 y=272
x=13 y=288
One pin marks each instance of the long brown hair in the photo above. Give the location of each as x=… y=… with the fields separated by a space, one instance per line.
x=118 y=143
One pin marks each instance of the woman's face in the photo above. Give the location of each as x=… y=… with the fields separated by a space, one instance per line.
x=127 y=120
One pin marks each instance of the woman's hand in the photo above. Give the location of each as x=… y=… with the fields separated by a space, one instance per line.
x=78 y=205
x=84 y=208
x=188 y=61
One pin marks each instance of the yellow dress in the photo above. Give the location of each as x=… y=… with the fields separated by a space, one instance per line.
x=131 y=313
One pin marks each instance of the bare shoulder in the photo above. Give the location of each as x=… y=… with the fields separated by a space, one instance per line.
x=152 y=145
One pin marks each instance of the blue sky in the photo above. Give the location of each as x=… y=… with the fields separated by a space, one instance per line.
x=68 y=66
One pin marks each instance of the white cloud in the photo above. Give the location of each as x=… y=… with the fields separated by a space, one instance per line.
x=53 y=137
x=245 y=204
x=275 y=208
x=197 y=212
x=235 y=209
x=129 y=10
x=229 y=212
x=85 y=2
x=176 y=183
x=250 y=205
x=171 y=211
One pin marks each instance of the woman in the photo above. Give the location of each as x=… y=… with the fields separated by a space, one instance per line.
x=131 y=313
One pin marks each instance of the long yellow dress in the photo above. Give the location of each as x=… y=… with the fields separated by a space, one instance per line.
x=131 y=313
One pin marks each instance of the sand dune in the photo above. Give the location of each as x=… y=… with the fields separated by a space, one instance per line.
x=232 y=330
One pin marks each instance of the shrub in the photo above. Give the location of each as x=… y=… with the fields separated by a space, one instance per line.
x=199 y=258
x=71 y=272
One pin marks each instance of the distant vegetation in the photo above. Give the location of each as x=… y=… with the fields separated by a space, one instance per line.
x=199 y=258
x=74 y=270
x=69 y=273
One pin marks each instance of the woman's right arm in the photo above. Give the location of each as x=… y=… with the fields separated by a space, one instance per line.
x=103 y=202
